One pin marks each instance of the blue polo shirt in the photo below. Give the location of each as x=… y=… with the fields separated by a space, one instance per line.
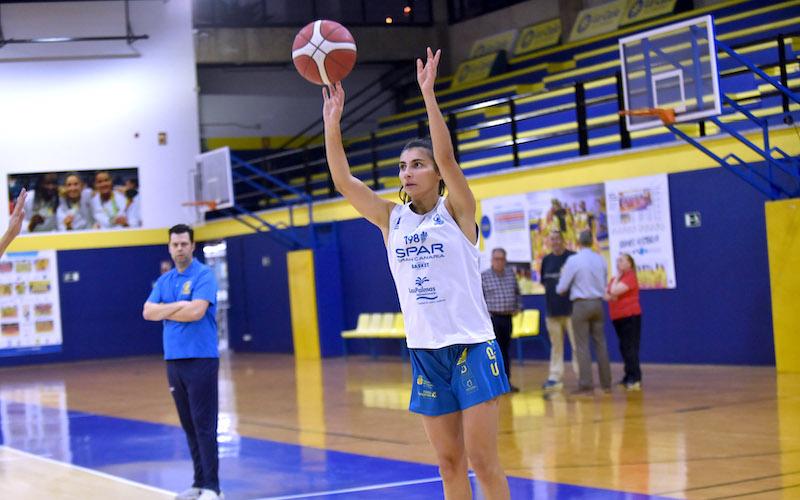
x=196 y=339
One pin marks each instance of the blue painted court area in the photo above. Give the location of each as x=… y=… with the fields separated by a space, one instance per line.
x=157 y=455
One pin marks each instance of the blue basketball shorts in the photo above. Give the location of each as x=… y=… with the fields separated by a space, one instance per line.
x=456 y=377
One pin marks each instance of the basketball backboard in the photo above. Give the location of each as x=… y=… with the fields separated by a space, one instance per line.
x=674 y=67
x=211 y=181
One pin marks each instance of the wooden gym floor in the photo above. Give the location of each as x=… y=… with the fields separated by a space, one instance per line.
x=340 y=429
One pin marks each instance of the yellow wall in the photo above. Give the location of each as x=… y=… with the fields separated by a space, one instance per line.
x=303 y=304
x=783 y=243
x=94 y=239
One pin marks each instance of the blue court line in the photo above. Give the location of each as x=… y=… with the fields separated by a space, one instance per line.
x=157 y=455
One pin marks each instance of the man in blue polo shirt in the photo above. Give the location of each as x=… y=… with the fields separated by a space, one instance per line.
x=185 y=299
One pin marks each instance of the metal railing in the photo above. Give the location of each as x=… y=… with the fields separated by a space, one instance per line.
x=305 y=162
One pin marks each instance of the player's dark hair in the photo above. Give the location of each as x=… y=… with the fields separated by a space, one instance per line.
x=182 y=229
x=426 y=144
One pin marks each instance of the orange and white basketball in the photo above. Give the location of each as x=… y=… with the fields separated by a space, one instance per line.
x=324 y=52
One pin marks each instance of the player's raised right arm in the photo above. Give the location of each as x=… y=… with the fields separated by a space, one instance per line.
x=374 y=208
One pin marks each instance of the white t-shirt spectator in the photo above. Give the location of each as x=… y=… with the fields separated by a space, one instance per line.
x=81 y=213
x=46 y=210
x=106 y=213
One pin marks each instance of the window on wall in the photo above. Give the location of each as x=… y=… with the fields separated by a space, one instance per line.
x=461 y=10
x=259 y=13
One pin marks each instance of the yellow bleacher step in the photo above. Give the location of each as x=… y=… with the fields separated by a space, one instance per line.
x=377 y=326
x=527 y=324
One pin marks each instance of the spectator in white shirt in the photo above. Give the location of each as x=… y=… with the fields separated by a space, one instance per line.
x=74 y=209
x=108 y=205
x=41 y=205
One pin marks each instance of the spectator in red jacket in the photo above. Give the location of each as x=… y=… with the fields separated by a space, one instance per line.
x=622 y=295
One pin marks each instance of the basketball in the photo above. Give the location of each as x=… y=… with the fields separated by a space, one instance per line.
x=324 y=52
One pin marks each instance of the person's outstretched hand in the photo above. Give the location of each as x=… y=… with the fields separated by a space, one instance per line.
x=333 y=103
x=426 y=72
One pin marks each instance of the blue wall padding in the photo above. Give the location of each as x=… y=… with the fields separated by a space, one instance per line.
x=719 y=313
x=101 y=314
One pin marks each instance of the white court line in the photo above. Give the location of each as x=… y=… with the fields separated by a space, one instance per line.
x=359 y=488
x=91 y=471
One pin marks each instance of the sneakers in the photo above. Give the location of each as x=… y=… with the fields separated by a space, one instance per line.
x=210 y=495
x=198 y=494
x=189 y=494
x=633 y=386
x=552 y=385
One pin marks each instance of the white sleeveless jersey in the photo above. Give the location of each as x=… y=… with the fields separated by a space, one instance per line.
x=435 y=270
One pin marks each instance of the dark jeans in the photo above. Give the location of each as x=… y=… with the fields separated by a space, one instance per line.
x=502 y=330
x=194 y=386
x=629 y=331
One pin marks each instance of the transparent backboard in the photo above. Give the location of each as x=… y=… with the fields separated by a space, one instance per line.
x=674 y=66
x=212 y=179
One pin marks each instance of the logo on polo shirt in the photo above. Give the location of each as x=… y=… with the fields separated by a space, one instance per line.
x=187 y=288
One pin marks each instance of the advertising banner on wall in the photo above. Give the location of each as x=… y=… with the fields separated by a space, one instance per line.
x=639 y=224
x=538 y=36
x=493 y=43
x=640 y=10
x=505 y=225
x=30 y=313
x=596 y=21
x=625 y=216
x=520 y=224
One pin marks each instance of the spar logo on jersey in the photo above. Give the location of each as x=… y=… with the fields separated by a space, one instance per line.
x=424 y=292
x=412 y=252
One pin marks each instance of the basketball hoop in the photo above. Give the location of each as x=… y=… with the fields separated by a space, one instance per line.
x=666 y=115
x=208 y=205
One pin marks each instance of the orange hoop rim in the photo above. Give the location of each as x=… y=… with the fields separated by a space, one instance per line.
x=666 y=115
x=209 y=204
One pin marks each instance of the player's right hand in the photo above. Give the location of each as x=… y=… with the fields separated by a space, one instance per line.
x=333 y=103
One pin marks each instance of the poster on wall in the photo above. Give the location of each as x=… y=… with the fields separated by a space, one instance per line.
x=504 y=224
x=569 y=211
x=520 y=224
x=30 y=314
x=79 y=200
x=640 y=225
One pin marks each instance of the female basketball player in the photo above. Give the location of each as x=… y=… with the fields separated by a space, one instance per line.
x=431 y=242
x=14 y=222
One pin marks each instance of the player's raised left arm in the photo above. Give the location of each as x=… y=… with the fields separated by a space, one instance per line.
x=460 y=197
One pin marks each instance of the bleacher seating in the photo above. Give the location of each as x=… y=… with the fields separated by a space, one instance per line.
x=377 y=326
x=542 y=88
